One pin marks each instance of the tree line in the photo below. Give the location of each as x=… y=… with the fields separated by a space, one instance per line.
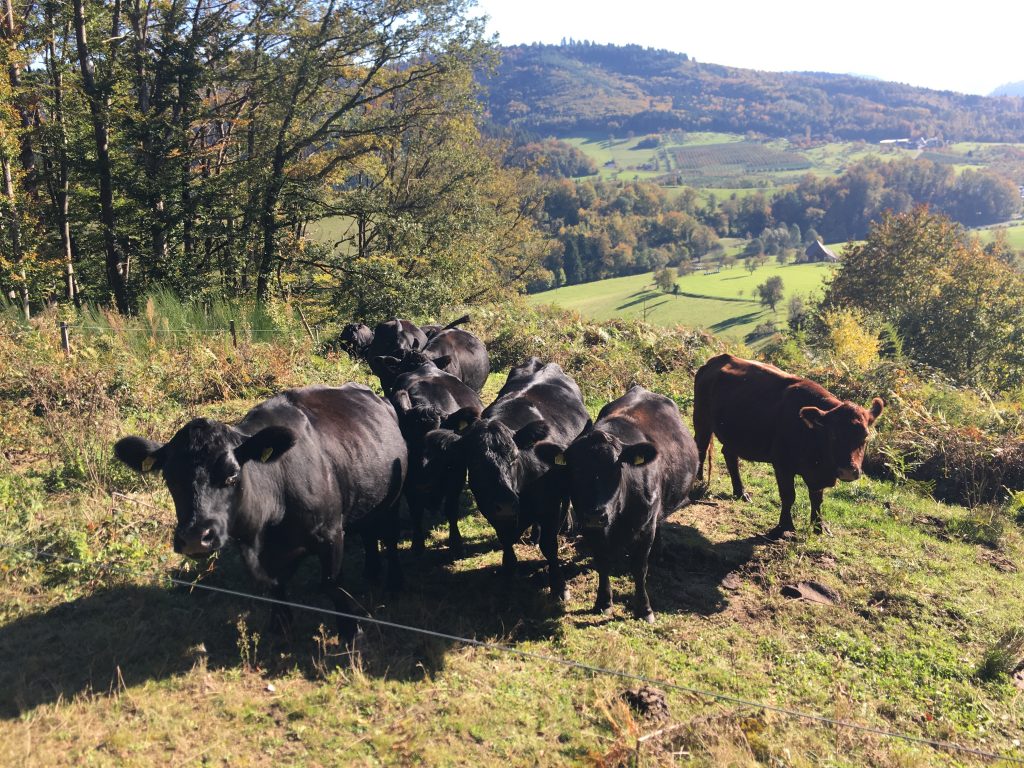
x=190 y=143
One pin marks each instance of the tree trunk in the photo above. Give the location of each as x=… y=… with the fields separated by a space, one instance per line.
x=116 y=263
x=15 y=229
x=268 y=224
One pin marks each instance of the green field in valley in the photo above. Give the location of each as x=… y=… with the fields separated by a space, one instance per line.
x=724 y=303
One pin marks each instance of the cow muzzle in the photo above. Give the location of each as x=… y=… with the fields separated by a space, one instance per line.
x=848 y=474
x=597 y=520
x=196 y=541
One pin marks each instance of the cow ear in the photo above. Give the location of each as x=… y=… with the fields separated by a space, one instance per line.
x=462 y=419
x=812 y=417
x=140 y=454
x=531 y=434
x=550 y=453
x=442 y=442
x=424 y=418
x=638 y=454
x=876 y=410
x=443 y=361
x=400 y=399
x=269 y=444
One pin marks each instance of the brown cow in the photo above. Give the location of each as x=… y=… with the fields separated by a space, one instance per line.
x=761 y=413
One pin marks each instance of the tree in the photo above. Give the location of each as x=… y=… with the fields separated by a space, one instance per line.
x=665 y=279
x=770 y=292
x=955 y=307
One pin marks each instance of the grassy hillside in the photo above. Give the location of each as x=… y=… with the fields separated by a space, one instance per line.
x=727 y=162
x=104 y=663
x=724 y=303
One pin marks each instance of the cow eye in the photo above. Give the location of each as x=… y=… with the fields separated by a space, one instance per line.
x=232 y=479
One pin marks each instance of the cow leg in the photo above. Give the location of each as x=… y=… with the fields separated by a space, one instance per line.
x=602 y=561
x=452 y=495
x=549 y=546
x=508 y=554
x=416 y=517
x=371 y=559
x=281 y=569
x=787 y=495
x=330 y=581
x=732 y=463
x=816 y=523
x=702 y=436
x=639 y=555
x=390 y=533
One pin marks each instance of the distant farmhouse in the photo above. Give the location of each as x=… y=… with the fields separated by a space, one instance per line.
x=920 y=143
x=816 y=251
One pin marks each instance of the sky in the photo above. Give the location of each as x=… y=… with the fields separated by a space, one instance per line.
x=967 y=47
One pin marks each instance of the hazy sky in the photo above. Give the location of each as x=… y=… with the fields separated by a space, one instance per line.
x=968 y=47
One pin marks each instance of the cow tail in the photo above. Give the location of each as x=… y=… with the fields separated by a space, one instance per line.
x=708 y=457
x=455 y=323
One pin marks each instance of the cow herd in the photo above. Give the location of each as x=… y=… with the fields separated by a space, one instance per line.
x=308 y=467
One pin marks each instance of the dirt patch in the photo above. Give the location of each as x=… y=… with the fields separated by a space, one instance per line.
x=812 y=592
x=650 y=703
x=997 y=560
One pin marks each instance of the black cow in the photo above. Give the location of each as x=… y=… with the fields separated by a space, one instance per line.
x=355 y=338
x=633 y=469
x=290 y=479
x=458 y=352
x=423 y=399
x=432 y=329
x=761 y=413
x=513 y=488
x=394 y=337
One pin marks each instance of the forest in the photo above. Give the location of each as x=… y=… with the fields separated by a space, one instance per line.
x=592 y=88
x=189 y=143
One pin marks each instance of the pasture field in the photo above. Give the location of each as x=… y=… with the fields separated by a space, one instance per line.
x=105 y=663
x=730 y=162
x=1014 y=234
x=724 y=303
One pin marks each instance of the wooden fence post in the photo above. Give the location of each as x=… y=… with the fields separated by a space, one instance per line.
x=234 y=334
x=65 y=341
x=302 y=317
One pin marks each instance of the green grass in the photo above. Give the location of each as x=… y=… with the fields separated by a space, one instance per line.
x=1014 y=235
x=102 y=662
x=723 y=177
x=724 y=303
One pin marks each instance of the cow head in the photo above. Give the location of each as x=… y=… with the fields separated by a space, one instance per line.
x=845 y=429
x=596 y=467
x=355 y=338
x=204 y=466
x=494 y=454
x=389 y=367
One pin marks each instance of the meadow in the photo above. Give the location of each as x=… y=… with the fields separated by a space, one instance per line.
x=731 y=162
x=106 y=663
x=724 y=303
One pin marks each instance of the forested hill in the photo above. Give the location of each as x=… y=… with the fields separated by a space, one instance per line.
x=583 y=87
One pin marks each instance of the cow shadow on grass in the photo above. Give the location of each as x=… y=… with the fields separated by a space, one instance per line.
x=122 y=636
x=685 y=574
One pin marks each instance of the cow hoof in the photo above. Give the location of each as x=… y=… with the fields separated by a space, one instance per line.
x=646 y=617
x=418 y=548
x=745 y=496
x=561 y=595
x=455 y=550
x=778 y=533
x=605 y=610
x=822 y=530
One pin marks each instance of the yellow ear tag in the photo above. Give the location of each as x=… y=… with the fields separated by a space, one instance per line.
x=638 y=461
x=560 y=459
x=267 y=453
x=147 y=463
x=462 y=425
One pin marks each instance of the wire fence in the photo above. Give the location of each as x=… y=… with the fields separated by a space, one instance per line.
x=498 y=648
